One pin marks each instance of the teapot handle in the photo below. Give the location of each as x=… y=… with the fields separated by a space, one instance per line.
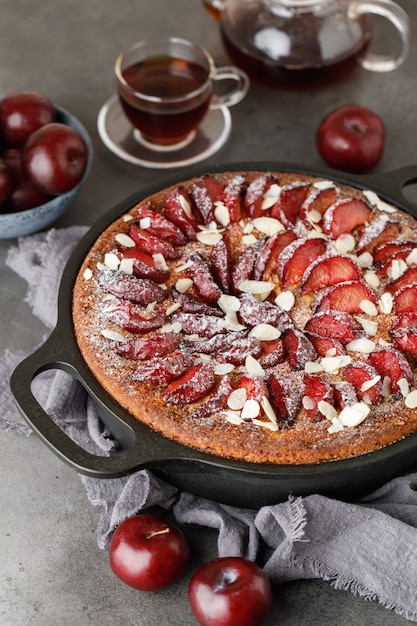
x=215 y=7
x=398 y=18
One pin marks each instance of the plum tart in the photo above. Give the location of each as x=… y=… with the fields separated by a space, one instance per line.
x=264 y=316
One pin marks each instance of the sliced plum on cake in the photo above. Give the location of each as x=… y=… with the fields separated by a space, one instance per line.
x=285 y=393
x=352 y=296
x=337 y=325
x=288 y=207
x=366 y=380
x=165 y=370
x=261 y=194
x=327 y=271
x=296 y=258
x=393 y=367
x=316 y=203
x=193 y=385
x=178 y=208
x=156 y=224
x=132 y=317
x=403 y=332
x=315 y=392
x=345 y=215
x=129 y=287
x=147 y=348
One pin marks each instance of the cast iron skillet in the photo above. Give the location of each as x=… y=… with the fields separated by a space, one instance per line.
x=228 y=481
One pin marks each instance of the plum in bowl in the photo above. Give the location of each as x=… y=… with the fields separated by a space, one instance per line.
x=21 y=223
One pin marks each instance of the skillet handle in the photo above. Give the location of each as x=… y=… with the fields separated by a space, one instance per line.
x=136 y=450
x=391 y=184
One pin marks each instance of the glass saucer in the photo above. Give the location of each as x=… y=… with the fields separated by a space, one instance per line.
x=118 y=135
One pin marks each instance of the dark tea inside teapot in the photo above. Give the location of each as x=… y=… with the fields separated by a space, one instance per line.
x=305 y=43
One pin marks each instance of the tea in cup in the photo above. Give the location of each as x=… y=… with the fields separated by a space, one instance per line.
x=167 y=86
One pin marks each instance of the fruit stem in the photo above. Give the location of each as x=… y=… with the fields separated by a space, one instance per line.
x=163 y=531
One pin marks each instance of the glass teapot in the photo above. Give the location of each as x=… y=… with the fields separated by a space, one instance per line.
x=304 y=43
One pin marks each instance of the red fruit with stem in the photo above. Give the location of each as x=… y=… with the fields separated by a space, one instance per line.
x=148 y=553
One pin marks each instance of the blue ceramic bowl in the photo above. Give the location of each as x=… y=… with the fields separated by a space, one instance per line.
x=33 y=220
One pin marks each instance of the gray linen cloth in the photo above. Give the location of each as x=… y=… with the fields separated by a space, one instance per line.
x=368 y=547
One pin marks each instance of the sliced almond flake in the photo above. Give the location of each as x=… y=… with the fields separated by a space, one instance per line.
x=126 y=266
x=365 y=260
x=411 y=399
x=125 y=240
x=228 y=303
x=237 y=399
x=404 y=387
x=396 y=268
x=233 y=417
x=101 y=266
x=345 y=243
x=186 y=207
x=375 y=200
x=248 y=240
x=268 y=225
x=209 y=238
x=353 y=415
x=333 y=364
x=315 y=216
x=372 y=279
x=384 y=343
x=265 y=332
x=363 y=345
x=323 y=184
x=223 y=368
x=222 y=214
x=174 y=307
x=232 y=321
x=327 y=409
x=127 y=217
x=204 y=357
x=285 y=300
x=113 y=335
x=256 y=287
x=386 y=386
x=311 y=367
x=268 y=425
x=336 y=426
x=248 y=228
x=369 y=326
x=368 y=384
x=268 y=409
x=368 y=307
x=253 y=367
x=412 y=257
x=386 y=302
x=88 y=274
x=183 y=284
x=159 y=261
x=331 y=352
x=171 y=328
x=184 y=266
x=111 y=261
x=151 y=306
x=308 y=403
x=271 y=196
x=251 y=409
x=145 y=222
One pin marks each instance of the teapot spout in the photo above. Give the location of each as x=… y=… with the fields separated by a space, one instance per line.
x=216 y=7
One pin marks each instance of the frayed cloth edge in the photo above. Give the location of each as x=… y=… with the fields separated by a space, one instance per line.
x=341 y=582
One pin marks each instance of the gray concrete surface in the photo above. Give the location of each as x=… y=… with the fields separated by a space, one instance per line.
x=51 y=570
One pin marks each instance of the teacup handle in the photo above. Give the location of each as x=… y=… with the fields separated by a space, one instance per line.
x=398 y=18
x=237 y=93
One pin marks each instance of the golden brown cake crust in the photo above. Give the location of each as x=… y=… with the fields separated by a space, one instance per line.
x=310 y=431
